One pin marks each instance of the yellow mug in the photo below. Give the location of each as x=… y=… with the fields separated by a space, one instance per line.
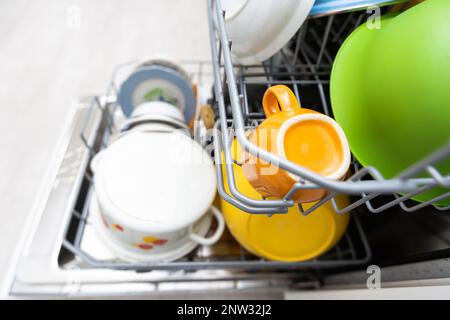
x=286 y=237
x=303 y=136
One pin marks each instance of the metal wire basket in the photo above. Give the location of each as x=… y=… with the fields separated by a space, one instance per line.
x=95 y=133
x=304 y=65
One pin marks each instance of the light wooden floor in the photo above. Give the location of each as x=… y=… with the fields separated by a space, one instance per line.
x=47 y=62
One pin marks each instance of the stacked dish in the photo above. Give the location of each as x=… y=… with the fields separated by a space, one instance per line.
x=159 y=80
x=154 y=188
x=260 y=28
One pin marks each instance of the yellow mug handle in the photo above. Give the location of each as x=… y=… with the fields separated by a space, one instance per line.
x=279 y=96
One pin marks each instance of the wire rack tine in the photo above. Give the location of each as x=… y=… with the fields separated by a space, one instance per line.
x=424 y=204
x=226 y=141
x=324 y=41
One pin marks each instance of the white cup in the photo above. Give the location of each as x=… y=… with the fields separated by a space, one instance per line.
x=154 y=192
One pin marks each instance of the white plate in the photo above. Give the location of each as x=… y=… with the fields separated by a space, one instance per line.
x=260 y=28
x=169 y=62
x=157 y=83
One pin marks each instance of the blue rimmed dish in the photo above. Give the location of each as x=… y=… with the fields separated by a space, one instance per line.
x=157 y=83
x=328 y=7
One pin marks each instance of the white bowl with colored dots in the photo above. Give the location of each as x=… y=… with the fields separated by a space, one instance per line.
x=143 y=249
x=153 y=196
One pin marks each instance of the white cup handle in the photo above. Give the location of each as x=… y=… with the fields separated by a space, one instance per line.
x=217 y=234
x=96 y=159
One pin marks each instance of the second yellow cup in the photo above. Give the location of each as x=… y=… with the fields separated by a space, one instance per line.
x=306 y=137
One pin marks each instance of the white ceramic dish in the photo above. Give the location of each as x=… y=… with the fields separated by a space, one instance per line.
x=116 y=248
x=169 y=62
x=260 y=28
x=157 y=83
x=146 y=119
x=152 y=188
x=158 y=108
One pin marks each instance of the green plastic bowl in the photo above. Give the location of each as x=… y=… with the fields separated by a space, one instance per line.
x=390 y=90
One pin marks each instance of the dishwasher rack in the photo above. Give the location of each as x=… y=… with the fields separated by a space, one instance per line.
x=353 y=250
x=305 y=62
